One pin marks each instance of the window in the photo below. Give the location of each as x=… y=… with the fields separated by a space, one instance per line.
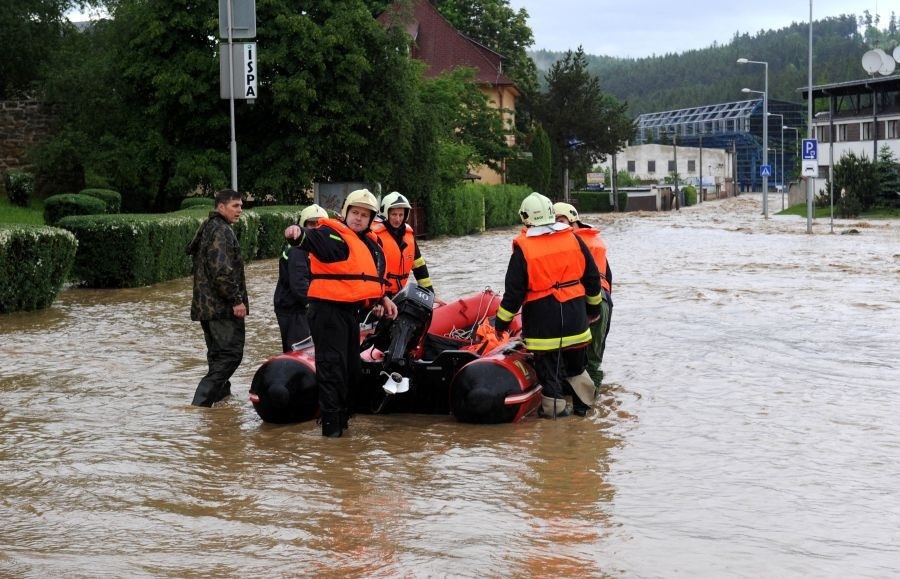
x=892 y=130
x=841 y=133
x=631 y=167
x=692 y=166
x=671 y=166
x=651 y=166
x=867 y=131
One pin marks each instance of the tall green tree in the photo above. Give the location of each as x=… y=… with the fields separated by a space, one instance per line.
x=30 y=30
x=583 y=123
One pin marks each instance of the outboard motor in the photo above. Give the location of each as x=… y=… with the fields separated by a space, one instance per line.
x=414 y=309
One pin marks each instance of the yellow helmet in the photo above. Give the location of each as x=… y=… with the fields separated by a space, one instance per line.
x=565 y=210
x=537 y=210
x=392 y=200
x=361 y=198
x=312 y=212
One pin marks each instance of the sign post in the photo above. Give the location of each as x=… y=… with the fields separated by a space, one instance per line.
x=237 y=19
x=810 y=155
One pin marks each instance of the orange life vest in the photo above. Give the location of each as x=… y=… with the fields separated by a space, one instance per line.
x=353 y=280
x=597 y=247
x=399 y=263
x=555 y=265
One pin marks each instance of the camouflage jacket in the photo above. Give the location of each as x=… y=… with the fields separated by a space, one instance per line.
x=218 y=269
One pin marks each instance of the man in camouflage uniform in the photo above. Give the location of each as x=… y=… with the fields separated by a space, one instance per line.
x=220 y=301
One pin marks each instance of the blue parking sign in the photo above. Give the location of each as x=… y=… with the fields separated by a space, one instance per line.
x=810 y=149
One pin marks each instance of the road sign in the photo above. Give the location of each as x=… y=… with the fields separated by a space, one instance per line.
x=765 y=170
x=810 y=168
x=243 y=71
x=810 y=149
x=243 y=18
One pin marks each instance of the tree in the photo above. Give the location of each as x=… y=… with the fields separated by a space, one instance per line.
x=584 y=125
x=30 y=30
x=888 y=179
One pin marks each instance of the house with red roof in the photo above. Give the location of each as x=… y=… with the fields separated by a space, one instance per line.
x=442 y=48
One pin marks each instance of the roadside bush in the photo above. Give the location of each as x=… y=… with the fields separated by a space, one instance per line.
x=272 y=221
x=194 y=202
x=19 y=187
x=459 y=211
x=35 y=261
x=502 y=203
x=112 y=199
x=597 y=201
x=133 y=250
x=57 y=207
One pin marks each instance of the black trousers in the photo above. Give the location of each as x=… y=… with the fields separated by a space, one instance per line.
x=224 y=351
x=554 y=366
x=335 y=333
x=294 y=328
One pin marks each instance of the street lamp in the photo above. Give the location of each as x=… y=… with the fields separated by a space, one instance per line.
x=796 y=141
x=765 y=135
x=674 y=131
x=781 y=163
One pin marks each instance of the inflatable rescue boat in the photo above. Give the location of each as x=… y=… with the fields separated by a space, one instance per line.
x=432 y=359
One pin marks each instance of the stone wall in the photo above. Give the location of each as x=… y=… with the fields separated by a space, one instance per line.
x=23 y=124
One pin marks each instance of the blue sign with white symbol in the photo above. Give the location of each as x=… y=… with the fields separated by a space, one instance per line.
x=765 y=170
x=810 y=149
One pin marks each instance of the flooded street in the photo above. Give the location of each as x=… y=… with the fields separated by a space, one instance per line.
x=748 y=428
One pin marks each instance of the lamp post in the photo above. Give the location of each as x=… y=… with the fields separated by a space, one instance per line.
x=765 y=135
x=780 y=163
x=796 y=141
x=675 y=163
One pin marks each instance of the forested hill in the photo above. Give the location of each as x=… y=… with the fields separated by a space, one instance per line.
x=712 y=75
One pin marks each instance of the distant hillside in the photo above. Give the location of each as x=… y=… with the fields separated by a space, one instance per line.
x=712 y=75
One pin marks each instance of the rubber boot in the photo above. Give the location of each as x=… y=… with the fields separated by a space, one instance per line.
x=345 y=419
x=585 y=392
x=553 y=407
x=331 y=424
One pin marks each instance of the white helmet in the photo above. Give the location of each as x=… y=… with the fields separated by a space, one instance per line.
x=392 y=200
x=567 y=211
x=361 y=198
x=312 y=212
x=537 y=210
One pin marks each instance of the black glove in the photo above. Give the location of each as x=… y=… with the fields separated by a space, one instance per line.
x=500 y=325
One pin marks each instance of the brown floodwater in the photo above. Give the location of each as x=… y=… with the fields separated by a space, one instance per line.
x=748 y=428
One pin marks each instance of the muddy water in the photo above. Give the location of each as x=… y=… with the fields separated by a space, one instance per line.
x=749 y=428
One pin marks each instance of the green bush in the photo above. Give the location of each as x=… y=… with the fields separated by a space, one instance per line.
x=112 y=199
x=133 y=250
x=193 y=202
x=57 y=207
x=502 y=203
x=34 y=263
x=597 y=201
x=272 y=221
x=19 y=187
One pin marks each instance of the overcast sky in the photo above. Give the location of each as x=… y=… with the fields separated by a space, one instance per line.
x=636 y=28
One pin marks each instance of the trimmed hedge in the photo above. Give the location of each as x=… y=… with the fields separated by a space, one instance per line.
x=194 y=202
x=272 y=221
x=112 y=199
x=471 y=208
x=133 y=250
x=57 y=207
x=597 y=201
x=34 y=263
